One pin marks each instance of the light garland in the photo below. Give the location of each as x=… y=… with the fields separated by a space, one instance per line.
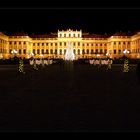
x=126 y=66
x=21 y=67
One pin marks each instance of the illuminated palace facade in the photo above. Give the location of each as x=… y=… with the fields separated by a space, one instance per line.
x=84 y=45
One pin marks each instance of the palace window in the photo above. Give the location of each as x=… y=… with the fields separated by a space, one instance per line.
x=96 y=51
x=83 y=51
x=24 y=43
x=60 y=51
x=83 y=44
x=19 y=51
x=33 y=51
x=47 y=44
x=73 y=43
x=87 y=51
x=38 y=44
x=64 y=43
x=10 y=42
x=60 y=43
x=73 y=35
x=15 y=43
x=78 y=51
x=87 y=44
x=42 y=44
x=91 y=51
x=114 y=43
x=119 y=43
x=19 y=42
x=55 y=44
x=42 y=51
x=119 y=51
x=105 y=44
x=51 y=51
x=47 y=52
x=64 y=35
x=78 y=35
x=105 y=51
x=74 y=51
x=101 y=44
x=78 y=43
x=69 y=35
x=10 y=50
x=123 y=42
x=38 y=51
x=55 y=51
x=96 y=44
x=101 y=51
x=64 y=51
x=24 y=51
x=114 y=51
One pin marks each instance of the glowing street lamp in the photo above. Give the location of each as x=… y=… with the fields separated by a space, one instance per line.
x=126 y=52
x=108 y=54
x=14 y=52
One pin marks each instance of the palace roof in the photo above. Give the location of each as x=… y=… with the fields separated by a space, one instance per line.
x=95 y=36
x=43 y=36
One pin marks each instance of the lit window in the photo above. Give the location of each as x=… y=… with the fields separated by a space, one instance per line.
x=38 y=51
x=24 y=51
x=42 y=51
x=114 y=51
x=19 y=51
x=78 y=51
x=78 y=43
x=51 y=51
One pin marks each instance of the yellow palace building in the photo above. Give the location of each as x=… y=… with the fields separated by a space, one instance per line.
x=84 y=45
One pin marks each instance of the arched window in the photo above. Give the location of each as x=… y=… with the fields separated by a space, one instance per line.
x=74 y=51
x=55 y=51
x=60 y=51
x=87 y=51
x=47 y=52
x=51 y=51
x=83 y=51
x=78 y=51
x=91 y=51
x=64 y=51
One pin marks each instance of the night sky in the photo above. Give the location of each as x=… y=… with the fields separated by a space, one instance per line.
x=92 y=20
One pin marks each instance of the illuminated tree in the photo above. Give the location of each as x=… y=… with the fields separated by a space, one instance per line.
x=126 y=65
x=21 y=66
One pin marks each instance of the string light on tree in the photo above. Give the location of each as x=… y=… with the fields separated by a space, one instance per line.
x=21 y=66
x=126 y=62
x=126 y=66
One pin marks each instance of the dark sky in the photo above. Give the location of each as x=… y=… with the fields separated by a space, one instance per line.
x=50 y=20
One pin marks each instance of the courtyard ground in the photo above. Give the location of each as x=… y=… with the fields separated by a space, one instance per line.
x=81 y=98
